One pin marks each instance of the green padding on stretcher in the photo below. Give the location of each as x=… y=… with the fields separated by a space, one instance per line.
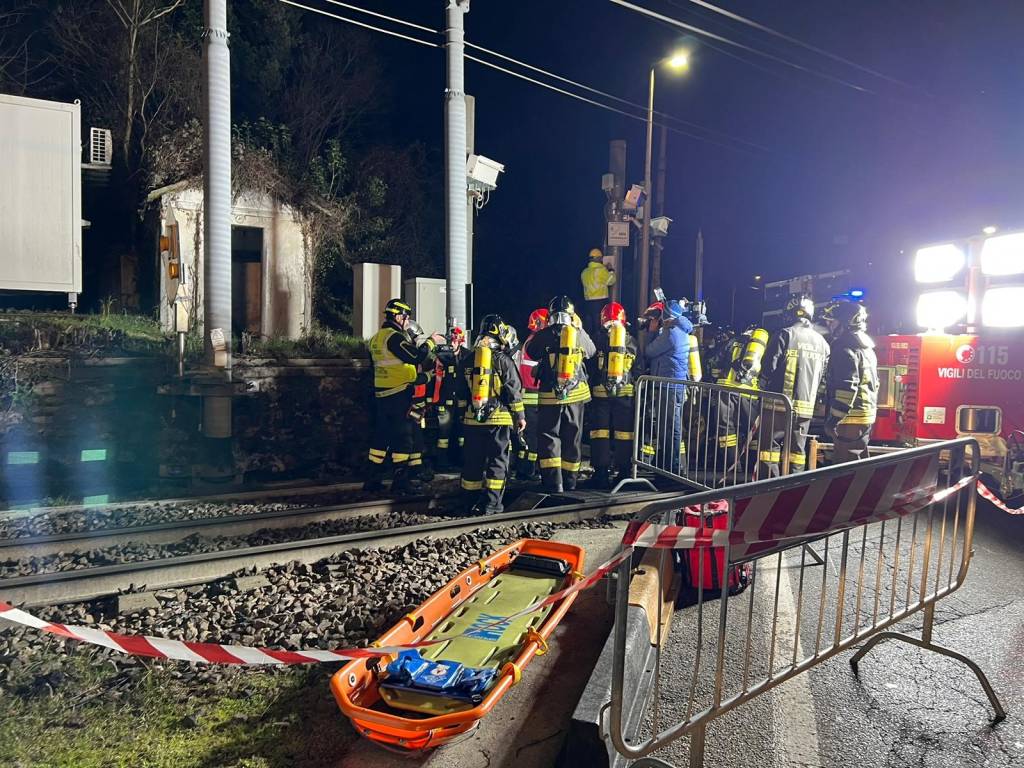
x=488 y=646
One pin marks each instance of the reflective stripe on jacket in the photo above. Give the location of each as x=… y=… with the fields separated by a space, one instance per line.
x=395 y=359
x=793 y=365
x=505 y=388
x=543 y=346
x=853 y=379
x=596 y=278
x=597 y=365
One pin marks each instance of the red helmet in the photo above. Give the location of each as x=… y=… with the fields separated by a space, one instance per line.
x=456 y=336
x=613 y=312
x=538 y=319
x=657 y=309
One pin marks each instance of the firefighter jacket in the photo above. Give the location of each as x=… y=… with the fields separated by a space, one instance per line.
x=528 y=375
x=668 y=353
x=596 y=278
x=741 y=363
x=597 y=367
x=544 y=347
x=396 y=358
x=793 y=365
x=505 y=391
x=853 y=380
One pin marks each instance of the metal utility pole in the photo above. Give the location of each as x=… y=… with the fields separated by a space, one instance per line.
x=644 y=267
x=470 y=210
x=613 y=209
x=217 y=187
x=455 y=167
x=659 y=207
x=698 y=268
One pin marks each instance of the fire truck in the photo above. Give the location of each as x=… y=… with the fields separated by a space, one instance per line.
x=964 y=374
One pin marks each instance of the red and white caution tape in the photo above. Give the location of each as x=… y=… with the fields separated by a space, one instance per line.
x=986 y=494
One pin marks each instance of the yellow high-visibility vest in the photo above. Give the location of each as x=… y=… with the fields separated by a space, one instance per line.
x=596 y=278
x=388 y=371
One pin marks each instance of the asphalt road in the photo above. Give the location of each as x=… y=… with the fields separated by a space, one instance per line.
x=909 y=707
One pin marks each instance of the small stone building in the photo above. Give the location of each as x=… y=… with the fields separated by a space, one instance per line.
x=271 y=292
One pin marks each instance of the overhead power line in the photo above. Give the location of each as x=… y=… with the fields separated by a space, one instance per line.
x=711 y=35
x=521 y=76
x=775 y=33
x=396 y=20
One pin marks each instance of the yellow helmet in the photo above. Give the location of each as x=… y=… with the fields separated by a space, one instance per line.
x=595 y=254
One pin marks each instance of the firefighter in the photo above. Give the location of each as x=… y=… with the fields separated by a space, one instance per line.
x=611 y=411
x=396 y=357
x=596 y=279
x=527 y=459
x=561 y=349
x=719 y=352
x=490 y=384
x=739 y=366
x=669 y=355
x=445 y=416
x=793 y=364
x=852 y=381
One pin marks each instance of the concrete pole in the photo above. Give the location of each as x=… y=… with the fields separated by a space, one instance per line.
x=217 y=183
x=616 y=167
x=455 y=167
x=644 y=268
x=659 y=207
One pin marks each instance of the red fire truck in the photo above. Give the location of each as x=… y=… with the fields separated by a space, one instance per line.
x=939 y=385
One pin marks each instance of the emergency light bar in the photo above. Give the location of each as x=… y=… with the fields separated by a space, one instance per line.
x=938 y=310
x=1003 y=255
x=1003 y=307
x=938 y=263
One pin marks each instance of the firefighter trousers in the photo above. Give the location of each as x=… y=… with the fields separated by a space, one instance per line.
x=611 y=432
x=440 y=426
x=526 y=466
x=559 y=445
x=486 y=466
x=773 y=430
x=733 y=416
x=851 y=442
x=392 y=433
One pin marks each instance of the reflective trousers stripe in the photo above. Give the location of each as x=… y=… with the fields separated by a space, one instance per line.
x=600 y=434
x=472 y=485
x=494 y=485
x=570 y=466
x=728 y=441
x=773 y=456
x=623 y=435
x=399 y=458
x=551 y=463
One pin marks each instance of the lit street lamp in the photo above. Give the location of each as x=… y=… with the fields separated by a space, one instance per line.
x=677 y=62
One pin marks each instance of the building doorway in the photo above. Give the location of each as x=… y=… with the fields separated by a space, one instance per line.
x=246 y=281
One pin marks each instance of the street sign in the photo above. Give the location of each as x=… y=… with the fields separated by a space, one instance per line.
x=618 y=234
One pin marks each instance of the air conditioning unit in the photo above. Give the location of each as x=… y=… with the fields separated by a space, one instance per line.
x=101 y=146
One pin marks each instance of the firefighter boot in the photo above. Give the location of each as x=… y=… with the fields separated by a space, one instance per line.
x=374 y=482
x=602 y=479
x=405 y=483
x=568 y=480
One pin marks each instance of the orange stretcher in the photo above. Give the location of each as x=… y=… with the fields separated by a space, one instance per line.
x=425 y=697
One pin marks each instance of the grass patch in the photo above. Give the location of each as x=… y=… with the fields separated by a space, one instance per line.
x=25 y=332
x=315 y=343
x=253 y=719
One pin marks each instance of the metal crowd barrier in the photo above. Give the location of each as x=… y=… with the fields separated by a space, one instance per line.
x=708 y=435
x=894 y=535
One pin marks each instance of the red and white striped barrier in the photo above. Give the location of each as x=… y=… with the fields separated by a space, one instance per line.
x=761 y=522
x=986 y=494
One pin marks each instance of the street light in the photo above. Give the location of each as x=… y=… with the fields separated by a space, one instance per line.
x=679 y=61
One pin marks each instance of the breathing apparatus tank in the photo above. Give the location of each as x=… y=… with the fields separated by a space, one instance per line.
x=565 y=360
x=693 y=363
x=615 y=373
x=481 y=398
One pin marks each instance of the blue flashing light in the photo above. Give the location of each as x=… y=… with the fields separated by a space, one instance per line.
x=856 y=293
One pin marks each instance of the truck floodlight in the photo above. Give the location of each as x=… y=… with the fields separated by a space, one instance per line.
x=1003 y=307
x=938 y=310
x=1003 y=255
x=938 y=263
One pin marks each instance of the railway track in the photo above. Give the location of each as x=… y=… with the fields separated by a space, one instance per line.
x=230 y=525
x=108 y=580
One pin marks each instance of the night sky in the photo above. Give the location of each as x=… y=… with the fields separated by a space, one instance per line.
x=849 y=180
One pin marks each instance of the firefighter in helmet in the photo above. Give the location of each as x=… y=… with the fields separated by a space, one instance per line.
x=852 y=381
x=611 y=411
x=396 y=359
x=597 y=279
x=445 y=417
x=739 y=366
x=561 y=349
x=490 y=384
x=718 y=352
x=793 y=365
x=526 y=468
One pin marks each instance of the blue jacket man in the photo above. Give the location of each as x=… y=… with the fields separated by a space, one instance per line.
x=668 y=356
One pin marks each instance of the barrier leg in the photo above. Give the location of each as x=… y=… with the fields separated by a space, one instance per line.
x=926 y=643
x=697 y=747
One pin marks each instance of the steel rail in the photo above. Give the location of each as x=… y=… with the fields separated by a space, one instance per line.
x=229 y=525
x=187 y=570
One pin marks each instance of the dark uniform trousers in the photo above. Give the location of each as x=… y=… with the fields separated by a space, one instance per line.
x=770 y=456
x=851 y=442
x=527 y=464
x=561 y=432
x=392 y=432
x=486 y=462
x=611 y=432
x=733 y=416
